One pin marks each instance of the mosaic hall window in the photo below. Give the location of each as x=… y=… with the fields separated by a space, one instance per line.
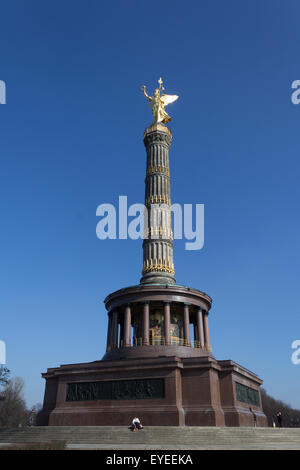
x=137 y=329
x=156 y=326
x=176 y=328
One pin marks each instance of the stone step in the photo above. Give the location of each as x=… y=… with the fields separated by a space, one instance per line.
x=156 y=435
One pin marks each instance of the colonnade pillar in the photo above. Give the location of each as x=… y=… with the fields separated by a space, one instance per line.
x=206 y=331
x=146 y=323
x=200 y=329
x=127 y=326
x=114 y=333
x=109 y=329
x=186 y=325
x=167 y=318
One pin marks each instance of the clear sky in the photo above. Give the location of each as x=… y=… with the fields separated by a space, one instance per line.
x=71 y=139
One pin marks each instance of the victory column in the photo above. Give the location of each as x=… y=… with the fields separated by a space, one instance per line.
x=158 y=363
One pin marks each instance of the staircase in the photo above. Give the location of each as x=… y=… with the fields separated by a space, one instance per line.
x=157 y=437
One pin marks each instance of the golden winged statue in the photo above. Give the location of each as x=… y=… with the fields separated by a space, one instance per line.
x=158 y=103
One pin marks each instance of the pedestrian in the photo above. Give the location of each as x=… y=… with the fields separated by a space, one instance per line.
x=279 y=419
x=136 y=424
x=254 y=417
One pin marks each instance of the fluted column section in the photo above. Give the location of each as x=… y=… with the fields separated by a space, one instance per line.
x=158 y=266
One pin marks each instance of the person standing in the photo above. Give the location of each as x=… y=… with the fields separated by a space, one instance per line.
x=254 y=417
x=279 y=419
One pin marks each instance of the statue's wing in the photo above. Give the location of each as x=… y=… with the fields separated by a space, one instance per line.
x=167 y=99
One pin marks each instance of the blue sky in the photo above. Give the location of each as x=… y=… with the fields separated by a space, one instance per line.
x=71 y=139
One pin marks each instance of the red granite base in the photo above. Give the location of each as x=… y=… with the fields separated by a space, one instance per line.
x=197 y=391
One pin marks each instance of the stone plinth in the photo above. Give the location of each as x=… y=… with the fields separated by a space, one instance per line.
x=164 y=391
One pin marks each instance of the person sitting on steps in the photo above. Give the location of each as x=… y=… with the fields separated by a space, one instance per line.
x=136 y=424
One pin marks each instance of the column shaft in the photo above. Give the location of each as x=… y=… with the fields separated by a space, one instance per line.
x=146 y=321
x=115 y=330
x=206 y=331
x=186 y=323
x=195 y=334
x=109 y=328
x=121 y=339
x=158 y=266
x=200 y=336
x=167 y=318
x=127 y=326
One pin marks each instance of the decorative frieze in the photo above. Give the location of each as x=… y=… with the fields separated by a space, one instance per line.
x=116 y=390
x=158 y=200
x=158 y=266
x=157 y=169
x=158 y=232
x=246 y=394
